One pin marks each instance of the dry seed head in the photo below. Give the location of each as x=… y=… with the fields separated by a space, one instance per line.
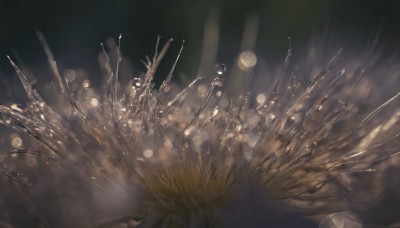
x=172 y=157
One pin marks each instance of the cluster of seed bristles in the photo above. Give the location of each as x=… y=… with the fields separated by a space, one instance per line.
x=169 y=156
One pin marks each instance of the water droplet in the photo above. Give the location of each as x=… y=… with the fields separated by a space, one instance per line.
x=94 y=102
x=247 y=60
x=137 y=82
x=70 y=75
x=188 y=130
x=86 y=84
x=261 y=98
x=148 y=153
x=16 y=141
x=218 y=82
x=273 y=101
x=215 y=112
x=220 y=68
x=272 y=116
x=16 y=108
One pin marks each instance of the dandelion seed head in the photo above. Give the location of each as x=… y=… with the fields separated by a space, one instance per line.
x=131 y=151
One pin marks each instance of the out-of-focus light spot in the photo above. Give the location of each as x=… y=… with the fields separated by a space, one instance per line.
x=86 y=84
x=16 y=108
x=215 y=112
x=218 y=82
x=220 y=68
x=94 y=102
x=168 y=143
x=272 y=116
x=261 y=98
x=16 y=141
x=148 y=153
x=188 y=130
x=202 y=90
x=137 y=82
x=247 y=60
x=70 y=75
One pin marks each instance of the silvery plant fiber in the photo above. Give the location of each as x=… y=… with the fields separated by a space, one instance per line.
x=313 y=143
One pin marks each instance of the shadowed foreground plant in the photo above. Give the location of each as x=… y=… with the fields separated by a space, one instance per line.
x=128 y=153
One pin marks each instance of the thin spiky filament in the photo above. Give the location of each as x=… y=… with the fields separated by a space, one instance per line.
x=311 y=145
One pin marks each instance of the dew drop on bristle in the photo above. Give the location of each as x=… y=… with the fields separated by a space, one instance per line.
x=70 y=75
x=220 y=68
x=148 y=153
x=16 y=141
x=247 y=60
x=137 y=82
x=218 y=82
x=86 y=84
x=261 y=98
x=16 y=108
x=94 y=102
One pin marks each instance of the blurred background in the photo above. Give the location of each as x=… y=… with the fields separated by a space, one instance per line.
x=75 y=28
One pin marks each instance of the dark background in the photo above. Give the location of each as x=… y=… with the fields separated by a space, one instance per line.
x=74 y=28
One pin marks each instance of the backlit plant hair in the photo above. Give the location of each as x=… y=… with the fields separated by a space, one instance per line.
x=128 y=152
